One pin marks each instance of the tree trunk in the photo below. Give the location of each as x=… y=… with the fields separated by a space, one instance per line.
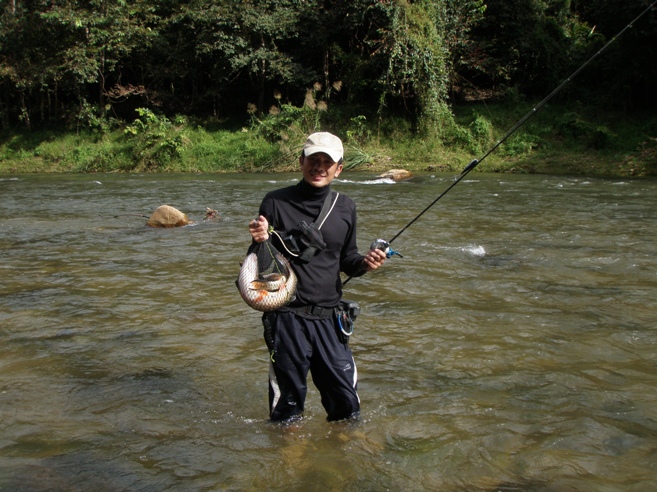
x=25 y=114
x=327 y=87
x=101 y=86
x=4 y=110
x=261 y=81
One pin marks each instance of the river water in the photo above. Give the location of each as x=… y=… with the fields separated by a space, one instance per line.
x=513 y=347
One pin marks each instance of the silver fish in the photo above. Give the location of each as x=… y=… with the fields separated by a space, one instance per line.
x=266 y=292
x=271 y=282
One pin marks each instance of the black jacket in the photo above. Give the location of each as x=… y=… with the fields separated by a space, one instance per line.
x=319 y=280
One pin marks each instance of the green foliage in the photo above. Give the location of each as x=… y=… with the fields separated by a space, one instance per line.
x=358 y=132
x=643 y=161
x=287 y=126
x=601 y=137
x=356 y=157
x=73 y=63
x=573 y=126
x=625 y=146
x=155 y=139
x=460 y=17
x=473 y=134
x=89 y=118
x=97 y=156
x=223 y=150
x=520 y=43
x=417 y=63
x=520 y=144
x=286 y=123
x=481 y=130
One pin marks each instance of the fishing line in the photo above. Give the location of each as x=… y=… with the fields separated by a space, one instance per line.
x=131 y=215
x=385 y=245
x=512 y=130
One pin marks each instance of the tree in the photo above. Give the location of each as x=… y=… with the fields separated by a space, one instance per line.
x=522 y=44
x=461 y=17
x=59 y=58
x=417 y=61
x=97 y=36
x=27 y=72
x=628 y=66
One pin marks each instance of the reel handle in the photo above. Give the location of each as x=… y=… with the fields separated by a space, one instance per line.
x=384 y=246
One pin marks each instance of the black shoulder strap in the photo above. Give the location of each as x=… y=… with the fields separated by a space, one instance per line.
x=329 y=202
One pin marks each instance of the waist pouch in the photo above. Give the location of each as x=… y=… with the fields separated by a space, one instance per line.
x=346 y=313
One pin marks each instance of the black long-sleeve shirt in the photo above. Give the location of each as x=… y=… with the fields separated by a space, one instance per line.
x=319 y=280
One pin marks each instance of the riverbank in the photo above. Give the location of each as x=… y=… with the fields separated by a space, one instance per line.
x=562 y=140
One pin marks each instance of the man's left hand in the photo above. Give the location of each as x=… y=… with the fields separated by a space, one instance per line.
x=374 y=259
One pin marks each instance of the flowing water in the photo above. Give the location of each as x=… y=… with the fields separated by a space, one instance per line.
x=513 y=347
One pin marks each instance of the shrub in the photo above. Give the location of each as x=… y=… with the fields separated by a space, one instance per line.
x=481 y=133
x=155 y=139
x=601 y=138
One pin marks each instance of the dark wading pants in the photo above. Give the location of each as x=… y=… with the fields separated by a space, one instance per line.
x=301 y=345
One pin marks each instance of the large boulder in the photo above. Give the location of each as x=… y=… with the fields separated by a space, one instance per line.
x=167 y=216
x=397 y=175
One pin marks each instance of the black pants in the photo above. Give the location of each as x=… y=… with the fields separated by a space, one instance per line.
x=301 y=345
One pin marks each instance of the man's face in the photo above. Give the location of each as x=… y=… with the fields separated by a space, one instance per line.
x=319 y=169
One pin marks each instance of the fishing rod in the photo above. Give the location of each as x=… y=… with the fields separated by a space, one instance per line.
x=385 y=245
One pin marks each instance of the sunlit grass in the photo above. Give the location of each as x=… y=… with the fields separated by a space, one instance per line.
x=556 y=140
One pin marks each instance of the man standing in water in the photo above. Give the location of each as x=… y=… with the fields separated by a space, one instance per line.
x=305 y=335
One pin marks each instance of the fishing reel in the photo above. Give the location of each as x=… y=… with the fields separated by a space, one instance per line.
x=384 y=246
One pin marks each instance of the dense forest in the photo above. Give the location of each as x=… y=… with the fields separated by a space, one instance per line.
x=92 y=63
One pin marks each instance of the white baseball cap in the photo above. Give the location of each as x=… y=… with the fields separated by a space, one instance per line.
x=324 y=142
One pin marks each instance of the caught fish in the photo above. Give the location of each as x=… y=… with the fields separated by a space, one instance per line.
x=269 y=291
x=271 y=282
